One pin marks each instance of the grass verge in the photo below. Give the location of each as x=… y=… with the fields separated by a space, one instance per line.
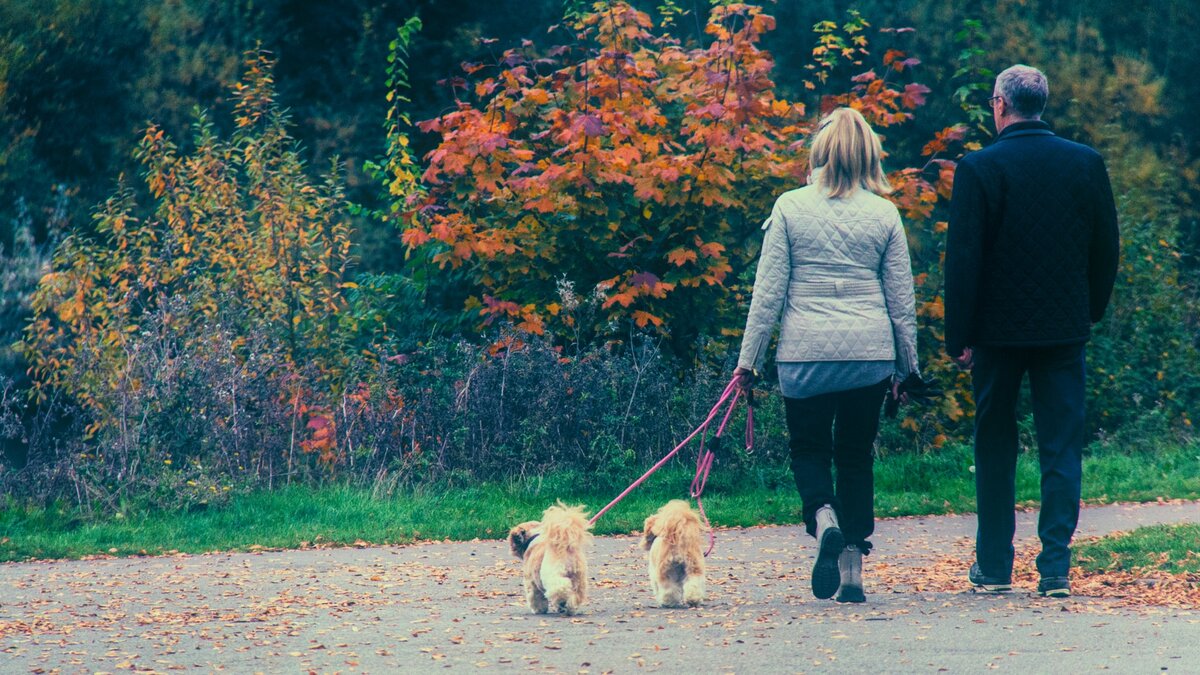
x=1165 y=548
x=296 y=517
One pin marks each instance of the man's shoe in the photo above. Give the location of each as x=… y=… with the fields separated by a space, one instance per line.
x=1054 y=587
x=986 y=584
x=850 y=568
x=825 y=575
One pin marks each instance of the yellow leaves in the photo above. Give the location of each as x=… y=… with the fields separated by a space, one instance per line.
x=72 y=309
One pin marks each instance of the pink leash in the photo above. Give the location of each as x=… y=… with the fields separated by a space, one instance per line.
x=704 y=459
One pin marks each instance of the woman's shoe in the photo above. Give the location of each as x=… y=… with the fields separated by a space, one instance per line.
x=850 y=569
x=825 y=575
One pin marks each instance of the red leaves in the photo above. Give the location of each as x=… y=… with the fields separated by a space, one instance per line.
x=590 y=125
x=898 y=61
x=323 y=438
x=914 y=95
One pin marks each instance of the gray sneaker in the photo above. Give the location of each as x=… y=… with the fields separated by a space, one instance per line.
x=986 y=584
x=1054 y=587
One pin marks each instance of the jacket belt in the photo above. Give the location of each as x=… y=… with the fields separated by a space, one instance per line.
x=838 y=287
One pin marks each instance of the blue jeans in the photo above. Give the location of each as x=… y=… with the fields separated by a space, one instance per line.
x=1056 y=383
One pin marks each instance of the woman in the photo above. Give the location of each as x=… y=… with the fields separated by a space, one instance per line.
x=835 y=261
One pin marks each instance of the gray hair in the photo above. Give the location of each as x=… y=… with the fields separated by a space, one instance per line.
x=1025 y=89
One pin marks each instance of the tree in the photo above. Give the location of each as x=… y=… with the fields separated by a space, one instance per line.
x=623 y=163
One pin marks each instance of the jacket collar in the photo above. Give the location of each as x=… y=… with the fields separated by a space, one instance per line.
x=1026 y=128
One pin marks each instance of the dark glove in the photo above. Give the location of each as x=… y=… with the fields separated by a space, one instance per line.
x=918 y=390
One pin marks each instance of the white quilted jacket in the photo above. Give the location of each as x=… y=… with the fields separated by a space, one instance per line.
x=838 y=269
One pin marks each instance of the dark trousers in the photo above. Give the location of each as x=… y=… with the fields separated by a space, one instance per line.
x=1056 y=383
x=837 y=429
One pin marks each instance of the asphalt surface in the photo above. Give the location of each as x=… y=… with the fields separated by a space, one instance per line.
x=458 y=606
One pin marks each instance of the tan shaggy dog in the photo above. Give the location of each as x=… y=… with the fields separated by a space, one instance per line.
x=555 y=568
x=673 y=538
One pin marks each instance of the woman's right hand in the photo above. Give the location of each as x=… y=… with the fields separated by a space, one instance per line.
x=744 y=377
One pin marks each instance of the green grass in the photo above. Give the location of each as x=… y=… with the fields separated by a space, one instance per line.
x=906 y=484
x=1169 y=548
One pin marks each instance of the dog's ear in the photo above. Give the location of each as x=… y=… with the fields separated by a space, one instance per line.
x=519 y=538
x=648 y=533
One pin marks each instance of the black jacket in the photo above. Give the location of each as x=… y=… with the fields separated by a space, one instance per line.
x=1032 y=249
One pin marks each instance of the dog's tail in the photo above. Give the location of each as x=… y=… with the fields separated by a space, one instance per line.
x=565 y=528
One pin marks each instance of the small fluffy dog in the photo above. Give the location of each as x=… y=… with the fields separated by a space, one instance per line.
x=555 y=568
x=673 y=537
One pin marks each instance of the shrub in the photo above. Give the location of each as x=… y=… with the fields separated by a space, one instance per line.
x=175 y=333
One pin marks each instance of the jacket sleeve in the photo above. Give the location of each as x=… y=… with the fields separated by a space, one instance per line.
x=1105 y=247
x=770 y=288
x=896 y=275
x=964 y=256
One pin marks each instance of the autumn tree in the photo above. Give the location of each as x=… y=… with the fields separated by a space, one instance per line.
x=623 y=165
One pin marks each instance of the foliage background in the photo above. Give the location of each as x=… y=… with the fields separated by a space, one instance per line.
x=273 y=290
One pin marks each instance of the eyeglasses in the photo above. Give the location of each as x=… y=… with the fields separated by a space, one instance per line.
x=992 y=100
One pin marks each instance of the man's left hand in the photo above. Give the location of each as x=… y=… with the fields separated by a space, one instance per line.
x=966 y=360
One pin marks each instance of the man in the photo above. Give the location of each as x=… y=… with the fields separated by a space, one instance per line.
x=1031 y=256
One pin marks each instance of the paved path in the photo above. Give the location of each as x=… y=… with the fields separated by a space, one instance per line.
x=427 y=607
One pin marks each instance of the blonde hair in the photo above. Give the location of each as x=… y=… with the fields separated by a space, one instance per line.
x=849 y=154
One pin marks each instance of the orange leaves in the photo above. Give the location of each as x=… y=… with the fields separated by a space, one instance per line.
x=897 y=60
x=635 y=286
x=933 y=309
x=681 y=256
x=414 y=237
x=711 y=250
x=537 y=96
x=913 y=195
x=525 y=317
x=942 y=139
x=642 y=319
